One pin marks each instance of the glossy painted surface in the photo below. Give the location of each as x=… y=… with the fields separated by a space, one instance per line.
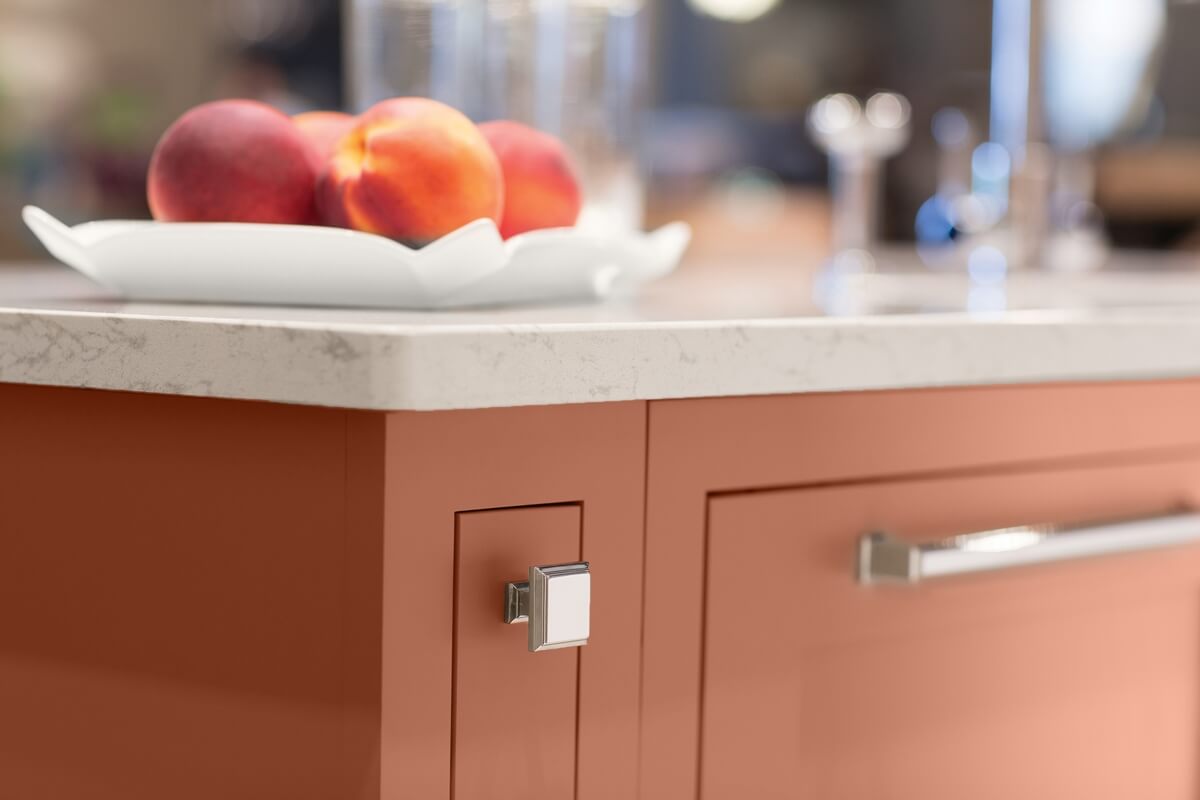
x=1076 y=679
x=186 y=602
x=263 y=598
x=699 y=448
x=514 y=711
x=439 y=465
x=206 y=598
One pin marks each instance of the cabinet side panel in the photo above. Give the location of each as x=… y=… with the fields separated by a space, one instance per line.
x=172 y=574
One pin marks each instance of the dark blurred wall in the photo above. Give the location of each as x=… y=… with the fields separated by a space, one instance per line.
x=768 y=71
x=753 y=81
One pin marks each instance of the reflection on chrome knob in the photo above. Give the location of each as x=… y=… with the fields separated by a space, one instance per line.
x=556 y=604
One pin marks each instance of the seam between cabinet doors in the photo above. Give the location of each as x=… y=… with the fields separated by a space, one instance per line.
x=641 y=696
x=703 y=666
x=454 y=655
x=579 y=654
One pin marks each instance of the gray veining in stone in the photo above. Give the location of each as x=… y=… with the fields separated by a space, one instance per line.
x=683 y=340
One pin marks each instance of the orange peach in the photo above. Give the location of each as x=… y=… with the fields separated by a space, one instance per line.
x=541 y=187
x=324 y=129
x=414 y=170
x=233 y=161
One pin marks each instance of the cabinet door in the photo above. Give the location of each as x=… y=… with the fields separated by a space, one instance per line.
x=1077 y=679
x=514 y=711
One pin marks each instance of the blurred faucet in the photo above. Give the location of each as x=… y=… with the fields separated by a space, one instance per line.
x=858 y=138
x=1018 y=126
x=1066 y=75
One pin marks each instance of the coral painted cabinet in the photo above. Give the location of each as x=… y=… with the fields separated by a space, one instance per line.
x=206 y=598
x=514 y=711
x=770 y=672
x=1073 y=680
x=470 y=501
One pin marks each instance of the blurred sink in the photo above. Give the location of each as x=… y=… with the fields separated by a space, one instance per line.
x=902 y=284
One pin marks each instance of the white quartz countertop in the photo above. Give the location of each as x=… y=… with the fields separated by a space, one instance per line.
x=702 y=334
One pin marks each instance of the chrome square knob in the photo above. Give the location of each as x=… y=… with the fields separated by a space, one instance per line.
x=555 y=603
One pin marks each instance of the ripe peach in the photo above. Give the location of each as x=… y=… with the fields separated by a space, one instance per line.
x=324 y=129
x=541 y=187
x=412 y=169
x=233 y=161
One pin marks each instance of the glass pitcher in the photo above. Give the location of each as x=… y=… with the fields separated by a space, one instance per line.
x=572 y=68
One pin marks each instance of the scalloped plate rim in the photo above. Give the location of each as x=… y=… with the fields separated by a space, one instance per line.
x=83 y=247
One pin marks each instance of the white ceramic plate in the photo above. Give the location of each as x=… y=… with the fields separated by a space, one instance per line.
x=228 y=262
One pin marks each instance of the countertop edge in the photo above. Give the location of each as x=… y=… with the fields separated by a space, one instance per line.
x=401 y=368
x=212 y=358
x=754 y=358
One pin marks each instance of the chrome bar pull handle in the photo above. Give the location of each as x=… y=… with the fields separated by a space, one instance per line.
x=884 y=559
x=556 y=604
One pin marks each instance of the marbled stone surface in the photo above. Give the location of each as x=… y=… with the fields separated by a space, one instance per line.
x=685 y=338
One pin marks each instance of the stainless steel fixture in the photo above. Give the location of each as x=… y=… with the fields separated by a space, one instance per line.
x=556 y=604
x=883 y=559
x=1066 y=77
x=858 y=137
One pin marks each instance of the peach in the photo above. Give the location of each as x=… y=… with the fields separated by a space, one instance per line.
x=233 y=161
x=414 y=170
x=541 y=186
x=324 y=129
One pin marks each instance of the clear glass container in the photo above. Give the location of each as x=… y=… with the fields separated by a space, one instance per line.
x=572 y=68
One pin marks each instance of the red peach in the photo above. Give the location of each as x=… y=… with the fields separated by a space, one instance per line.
x=324 y=129
x=413 y=169
x=233 y=161
x=541 y=187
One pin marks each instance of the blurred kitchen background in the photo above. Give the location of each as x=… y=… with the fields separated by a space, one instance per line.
x=86 y=87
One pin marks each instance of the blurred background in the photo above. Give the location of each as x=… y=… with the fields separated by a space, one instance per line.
x=724 y=89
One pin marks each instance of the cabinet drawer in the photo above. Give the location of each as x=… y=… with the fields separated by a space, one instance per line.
x=703 y=453
x=1076 y=679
